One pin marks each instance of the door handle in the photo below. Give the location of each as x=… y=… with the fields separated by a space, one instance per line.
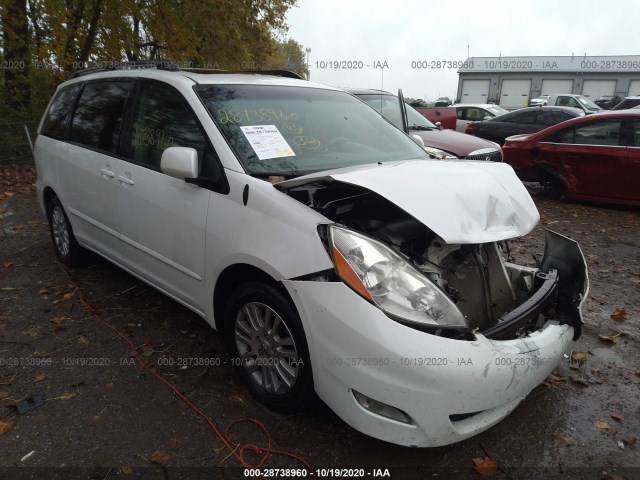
x=107 y=173
x=126 y=180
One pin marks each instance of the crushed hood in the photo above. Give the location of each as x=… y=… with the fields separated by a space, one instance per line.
x=461 y=201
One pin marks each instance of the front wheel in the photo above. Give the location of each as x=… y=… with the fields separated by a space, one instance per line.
x=64 y=242
x=266 y=338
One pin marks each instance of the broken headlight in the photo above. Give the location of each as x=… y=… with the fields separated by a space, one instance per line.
x=383 y=277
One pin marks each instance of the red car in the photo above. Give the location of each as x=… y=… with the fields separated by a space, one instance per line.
x=595 y=158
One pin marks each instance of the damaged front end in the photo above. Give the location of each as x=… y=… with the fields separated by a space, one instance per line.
x=452 y=289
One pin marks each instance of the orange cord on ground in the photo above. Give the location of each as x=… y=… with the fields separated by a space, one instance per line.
x=236 y=449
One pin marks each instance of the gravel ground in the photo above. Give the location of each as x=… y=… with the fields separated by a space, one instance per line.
x=107 y=416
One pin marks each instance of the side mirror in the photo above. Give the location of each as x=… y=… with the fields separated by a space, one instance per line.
x=418 y=139
x=180 y=162
x=439 y=125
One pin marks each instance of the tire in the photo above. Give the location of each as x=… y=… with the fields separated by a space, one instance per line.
x=64 y=241
x=269 y=348
x=553 y=184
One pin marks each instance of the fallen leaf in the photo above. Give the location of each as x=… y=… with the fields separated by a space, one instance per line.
x=39 y=377
x=83 y=341
x=485 y=466
x=578 y=358
x=43 y=291
x=7 y=289
x=619 y=314
x=5 y=427
x=563 y=440
x=57 y=320
x=160 y=458
x=39 y=354
x=616 y=416
x=67 y=395
x=109 y=386
x=4 y=394
x=580 y=380
x=126 y=470
x=613 y=476
x=630 y=440
x=67 y=296
x=17 y=227
x=601 y=424
x=609 y=338
x=7 y=264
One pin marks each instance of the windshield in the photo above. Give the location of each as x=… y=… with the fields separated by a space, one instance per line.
x=496 y=110
x=588 y=103
x=388 y=106
x=284 y=130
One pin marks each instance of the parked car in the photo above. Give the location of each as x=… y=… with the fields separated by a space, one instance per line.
x=628 y=102
x=372 y=275
x=594 y=158
x=524 y=120
x=443 y=102
x=607 y=102
x=442 y=144
x=574 y=101
x=539 y=101
x=444 y=117
x=471 y=112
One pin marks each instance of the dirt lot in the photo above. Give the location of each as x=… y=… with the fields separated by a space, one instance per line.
x=107 y=415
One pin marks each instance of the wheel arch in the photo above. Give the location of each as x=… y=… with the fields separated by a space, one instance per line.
x=231 y=278
x=47 y=194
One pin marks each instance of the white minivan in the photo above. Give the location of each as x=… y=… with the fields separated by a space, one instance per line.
x=336 y=257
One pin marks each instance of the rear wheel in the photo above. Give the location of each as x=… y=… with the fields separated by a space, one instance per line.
x=64 y=241
x=265 y=336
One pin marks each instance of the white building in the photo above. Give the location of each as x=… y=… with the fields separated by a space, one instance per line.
x=512 y=81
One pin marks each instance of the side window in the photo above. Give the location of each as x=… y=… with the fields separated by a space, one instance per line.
x=562 y=136
x=461 y=113
x=606 y=132
x=552 y=117
x=98 y=117
x=55 y=122
x=527 y=118
x=474 y=114
x=162 y=119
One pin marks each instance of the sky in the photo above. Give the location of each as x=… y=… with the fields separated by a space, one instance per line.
x=379 y=39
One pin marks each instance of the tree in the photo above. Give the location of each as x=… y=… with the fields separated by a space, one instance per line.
x=17 y=60
x=289 y=55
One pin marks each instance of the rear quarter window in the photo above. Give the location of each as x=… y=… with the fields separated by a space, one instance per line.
x=55 y=122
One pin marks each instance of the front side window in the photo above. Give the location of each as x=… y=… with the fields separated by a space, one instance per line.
x=55 y=122
x=98 y=117
x=388 y=106
x=162 y=119
x=605 y=132
x=286 y=130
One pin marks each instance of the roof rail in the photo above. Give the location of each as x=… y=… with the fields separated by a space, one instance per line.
x=160 y=64
x=275 y=73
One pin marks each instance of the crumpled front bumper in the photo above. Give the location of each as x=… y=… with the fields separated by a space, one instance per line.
x=450 y=389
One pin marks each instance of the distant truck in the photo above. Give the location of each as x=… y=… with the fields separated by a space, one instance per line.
x=446 y=116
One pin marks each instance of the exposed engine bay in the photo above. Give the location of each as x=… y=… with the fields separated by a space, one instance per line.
x=499 y=299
